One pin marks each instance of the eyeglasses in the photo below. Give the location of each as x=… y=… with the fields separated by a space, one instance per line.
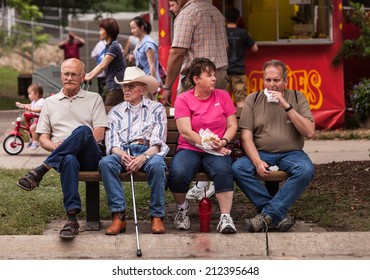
x=73 y=75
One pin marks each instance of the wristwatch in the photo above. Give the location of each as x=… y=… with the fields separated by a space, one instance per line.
x=166 y=88
x=289 y=108
x=146 y=156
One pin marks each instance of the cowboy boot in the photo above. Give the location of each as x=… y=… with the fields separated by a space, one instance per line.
x=157 y=225
x=118 y=224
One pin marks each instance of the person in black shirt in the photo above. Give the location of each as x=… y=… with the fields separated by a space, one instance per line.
x=239 y=40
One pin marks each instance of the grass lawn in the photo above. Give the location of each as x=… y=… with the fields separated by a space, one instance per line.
x=23 y=212
x=8 y=82
x=335 y=200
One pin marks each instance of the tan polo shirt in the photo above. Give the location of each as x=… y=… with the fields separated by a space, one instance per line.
x=272 y=129
x=61 y=115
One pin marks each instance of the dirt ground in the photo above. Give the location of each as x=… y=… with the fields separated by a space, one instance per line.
x=337 y=199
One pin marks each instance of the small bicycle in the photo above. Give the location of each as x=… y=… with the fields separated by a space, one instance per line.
x=13 y=144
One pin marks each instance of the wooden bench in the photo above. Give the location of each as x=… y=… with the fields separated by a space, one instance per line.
x=92 y=178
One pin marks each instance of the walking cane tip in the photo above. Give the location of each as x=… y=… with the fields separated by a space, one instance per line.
x=138 y=253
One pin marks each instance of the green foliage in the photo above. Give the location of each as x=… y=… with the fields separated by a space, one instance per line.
x=360 y=99
x=26 y=10
x=8 y=82
x=25 y=36
x=95 y=5
x=359 y=47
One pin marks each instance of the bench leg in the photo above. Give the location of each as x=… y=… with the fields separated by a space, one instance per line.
x=272 y=187
x=92 y=206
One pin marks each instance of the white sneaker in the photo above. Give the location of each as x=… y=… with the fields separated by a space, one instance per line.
x=197 y=192
x=34 y=146
x=182 y=220
x=29 y=144
x=226 y=225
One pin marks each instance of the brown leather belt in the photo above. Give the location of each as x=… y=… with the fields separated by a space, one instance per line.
x=140 y=142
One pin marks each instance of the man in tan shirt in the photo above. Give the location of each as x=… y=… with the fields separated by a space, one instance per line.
x=71 y=124
x=273 y=125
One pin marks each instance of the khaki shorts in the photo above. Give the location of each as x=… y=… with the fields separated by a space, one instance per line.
x=237 y=87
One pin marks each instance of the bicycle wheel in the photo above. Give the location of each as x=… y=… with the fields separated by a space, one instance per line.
x=13 y=144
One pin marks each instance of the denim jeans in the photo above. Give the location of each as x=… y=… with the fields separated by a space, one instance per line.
x=296 y=163
x=186 y=163
x=78 y=152
x=110 y=167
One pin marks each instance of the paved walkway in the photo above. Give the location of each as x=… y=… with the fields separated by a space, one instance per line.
x=304 y=241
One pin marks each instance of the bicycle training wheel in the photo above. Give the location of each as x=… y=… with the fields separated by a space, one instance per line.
x=13 y=144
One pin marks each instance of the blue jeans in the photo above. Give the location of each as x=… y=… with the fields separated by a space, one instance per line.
x=296 y=163
x=186 y=163
x=78 y=152
x=110 y=167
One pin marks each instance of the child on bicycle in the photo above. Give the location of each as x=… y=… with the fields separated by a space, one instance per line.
x=35 y=93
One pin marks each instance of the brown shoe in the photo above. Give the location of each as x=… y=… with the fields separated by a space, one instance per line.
x=118 y=225
x=157 y=225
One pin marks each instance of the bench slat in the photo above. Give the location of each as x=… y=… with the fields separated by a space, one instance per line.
x=94 y=176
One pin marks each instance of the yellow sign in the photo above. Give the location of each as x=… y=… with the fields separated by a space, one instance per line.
x=306 y=81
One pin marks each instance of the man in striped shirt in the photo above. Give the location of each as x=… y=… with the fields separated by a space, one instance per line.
x=135 y=140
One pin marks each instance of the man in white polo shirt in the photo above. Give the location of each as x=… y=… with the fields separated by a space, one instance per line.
x=71 y=125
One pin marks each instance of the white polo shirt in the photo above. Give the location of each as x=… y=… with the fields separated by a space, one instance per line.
x=60 y=115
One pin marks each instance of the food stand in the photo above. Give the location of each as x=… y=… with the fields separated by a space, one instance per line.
x=304 y=34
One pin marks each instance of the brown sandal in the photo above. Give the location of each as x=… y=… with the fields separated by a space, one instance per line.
x=69 y=231
x=30 y=181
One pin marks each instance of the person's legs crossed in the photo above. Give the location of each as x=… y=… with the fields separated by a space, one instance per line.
x=80 y=143
x=301 y=171
x=244 y=173
x=69 y=168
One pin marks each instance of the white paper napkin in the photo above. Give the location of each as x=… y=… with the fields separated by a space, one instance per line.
x=270 y=98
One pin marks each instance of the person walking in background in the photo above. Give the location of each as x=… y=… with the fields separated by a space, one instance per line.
x=71 y=46
x=230 y=4
x=139 y=125
x=71 y=124
x=146 y=50
x=239 y=40
x=274 y=123
x=199 y=31
x=206 y=120
x=113 y=62
x=128 y=50
x=174 y=7
x=98 y=53
x=35 y=93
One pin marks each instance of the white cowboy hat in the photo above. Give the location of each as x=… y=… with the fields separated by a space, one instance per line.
x=135 y=74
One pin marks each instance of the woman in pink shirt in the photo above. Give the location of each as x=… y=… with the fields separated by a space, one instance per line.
x=197 y=110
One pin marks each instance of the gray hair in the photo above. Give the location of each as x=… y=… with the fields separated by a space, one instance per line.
x=277 y=63
x=77 y=60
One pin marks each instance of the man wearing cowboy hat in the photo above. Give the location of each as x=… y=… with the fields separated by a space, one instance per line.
x=137 y=124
